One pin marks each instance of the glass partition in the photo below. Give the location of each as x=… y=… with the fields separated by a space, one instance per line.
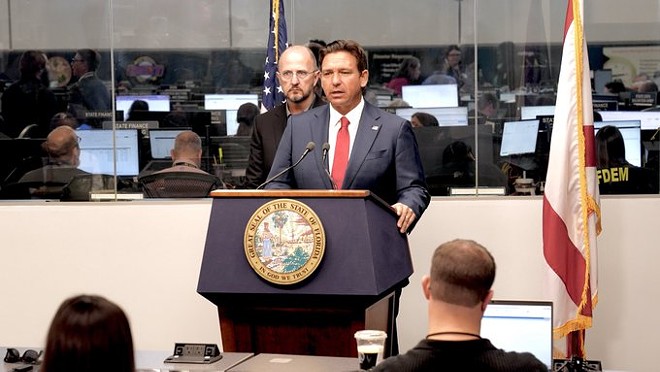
x=477 y=79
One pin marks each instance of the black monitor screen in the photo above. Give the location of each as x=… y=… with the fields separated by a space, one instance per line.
x=231 y=150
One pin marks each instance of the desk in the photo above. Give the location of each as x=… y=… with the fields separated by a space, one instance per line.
x=296 y=363
x=152 y=361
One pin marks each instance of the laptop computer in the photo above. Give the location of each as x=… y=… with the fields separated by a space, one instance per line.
x=522 y=326
x=296 y=363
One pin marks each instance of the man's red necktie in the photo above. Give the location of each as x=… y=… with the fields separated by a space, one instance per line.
x=341 y=153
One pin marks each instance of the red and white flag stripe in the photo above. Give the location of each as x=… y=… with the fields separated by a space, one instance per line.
x=571 y=211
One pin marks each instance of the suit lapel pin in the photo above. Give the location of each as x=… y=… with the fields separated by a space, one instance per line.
x=375 y=127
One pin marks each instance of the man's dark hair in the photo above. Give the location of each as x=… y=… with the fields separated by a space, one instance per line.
x=32 y=61
x=426 y=119
x=350 y=47
x=615 y=86
x=92 y=58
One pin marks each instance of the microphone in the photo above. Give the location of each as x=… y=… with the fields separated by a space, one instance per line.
x=326 y=148
x=310 y=146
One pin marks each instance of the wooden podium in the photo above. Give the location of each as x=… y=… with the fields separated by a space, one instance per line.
x=366 y=259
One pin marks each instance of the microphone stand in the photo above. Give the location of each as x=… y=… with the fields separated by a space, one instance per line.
x=326 y=148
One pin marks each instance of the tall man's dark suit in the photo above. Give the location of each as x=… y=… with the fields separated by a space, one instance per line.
x=384 y=158
x=268 y=129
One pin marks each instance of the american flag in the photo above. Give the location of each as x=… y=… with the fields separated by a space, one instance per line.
x=277 y=42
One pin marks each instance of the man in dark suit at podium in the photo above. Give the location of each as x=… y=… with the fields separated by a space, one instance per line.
x=298 y=75
x=365 y=147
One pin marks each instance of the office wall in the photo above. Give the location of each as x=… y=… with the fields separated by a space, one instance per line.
x=146 y=256
x=149 y=24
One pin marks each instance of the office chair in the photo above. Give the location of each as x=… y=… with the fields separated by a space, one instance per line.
x=81 y=186
x=29 y=131
x=179 y=185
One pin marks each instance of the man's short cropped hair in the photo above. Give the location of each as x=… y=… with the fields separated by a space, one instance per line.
x=462 y=273
x=349 y=46
x=187 y=142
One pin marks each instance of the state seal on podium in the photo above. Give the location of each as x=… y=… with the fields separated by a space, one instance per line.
x=284 y=241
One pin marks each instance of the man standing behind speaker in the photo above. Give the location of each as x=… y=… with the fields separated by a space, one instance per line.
x=297 y=74
x=369 y=148
x=89 y=93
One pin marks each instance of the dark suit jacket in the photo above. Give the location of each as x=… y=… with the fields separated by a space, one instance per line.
x=89 y=94
x=268 y=129
x=384 y=158
x=27 y=102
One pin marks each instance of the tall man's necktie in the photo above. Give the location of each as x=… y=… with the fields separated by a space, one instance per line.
x=340 y=160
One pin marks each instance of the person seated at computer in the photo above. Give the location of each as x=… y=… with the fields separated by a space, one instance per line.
x=408 y=73
x=458 y=290
x=646 y=86
x=28 y=101
x=89 y=333
x=615 y=174
x=63 y=158
x=459 y=170
x=66 y=119
x=451 y=68
x=137 y=106
x=488 y=112
x=186 y=154
x=615 y=87
x=423 y=119
x=245 y=118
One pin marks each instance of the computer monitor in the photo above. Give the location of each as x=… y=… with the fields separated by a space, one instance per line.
x=531 y=112
x=197 y=120
x=601 y=77
x=158 y=103
x=521 y=326
x=446 y=116
x=97 y=154
x=424 y=96
x=632 y=138
x=230 y=103
x=650 y=120
x=235 y=150
x=519 y=137
x=605 y=97
x=161 y=142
